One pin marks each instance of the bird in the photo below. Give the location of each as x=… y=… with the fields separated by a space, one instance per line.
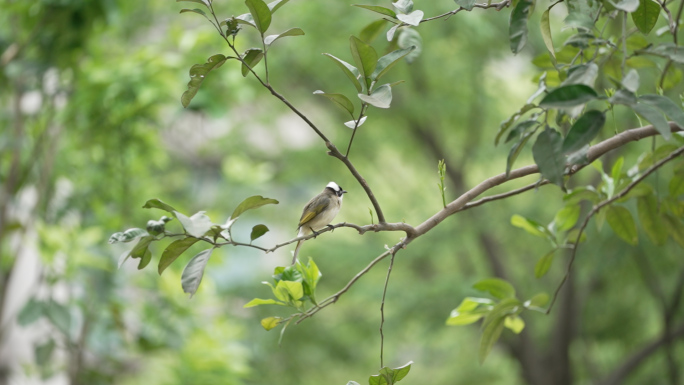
x=319 y=212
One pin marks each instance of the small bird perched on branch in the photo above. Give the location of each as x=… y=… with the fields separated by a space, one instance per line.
x=319 y=212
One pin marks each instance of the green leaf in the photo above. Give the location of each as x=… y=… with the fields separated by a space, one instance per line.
x=127 y=236
x=140 y=248
x=250 y=203
x=268 y=40
x=627 y=5
x=514 y=323
x=516 y=150
x=548 y=156
x=339 y=100
x=625 y=97
x=538 y=300
x=466 y=4
x=470 y=310
x=582 y=74
x=651 y=221
x=655 y=117
x=261 y=14
x=412 y=18
x=273 y=6
x=409 y=37
x=194 y=271
x=531 y=227
x=31 y=312
x=158 y=204
x=496 y=287
x=250 y=59
x=546 y=32
x=506 y=124
x=145 y=259
x=203 y=2
x=544 y=264
x=348 y=69
x=43 y=352
x=365 y=58
x=388 y=61
x=197 y=11
x=667 y=50
x=674 y=227
x=401 y=372
x=616 y=170
x=676 y=186
x=517 y=30
x=490 y=335
x=258 y=231
x=631 y=80
x=404 y=6
x=173 y=251
x=583 y=131
x=59 y=316
x=259 y=301
x=196 y=225
x=381 y=97
x=622 y=223
x=269 y=323
x=378 y=9
x=372 y=30
x=198 y=73
x=568 y=96
x=289 y=291
x=567 y=217
x=579 y=194
x=666 y=105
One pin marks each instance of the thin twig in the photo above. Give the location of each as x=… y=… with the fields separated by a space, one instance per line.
x=498 y=6
x=382 y=310
x=356 y=127
x=599 y=206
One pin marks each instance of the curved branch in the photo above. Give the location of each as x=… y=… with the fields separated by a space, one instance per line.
x=499 y=6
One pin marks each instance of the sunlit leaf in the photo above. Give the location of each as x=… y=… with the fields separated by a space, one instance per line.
x=194 y=271
x=544 y=264
x=514 y=323
x=173 y=251
x=269 y=323
x=496 y=287
x=259 y=301
x=250 y=203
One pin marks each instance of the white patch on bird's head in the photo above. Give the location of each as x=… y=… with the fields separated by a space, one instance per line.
x=336 y=188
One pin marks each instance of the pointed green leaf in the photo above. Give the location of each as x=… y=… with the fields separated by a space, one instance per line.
x=516 y=150
x=568 y=96
x=496 y=287
x=666 y=105
x=538 y=300
x=548 y=156
x=388 y=61
x=194 y=271
x=544 y=264
x=583 y=131
x=372 y=30
x=517 y=30
x=258 y=231
x=348 y=69
x=198 y=73
x=490 y=335
x=521 y=129
x=269 y=323
x=197 y=11
x=260 y=13
x=675 y=227
x=567 y=217
x=404 y=6
x=340 y=101
x=203 y=2
x=250 y=59
x=655 y=117
x=127 y=236
x=651 y=222
x=268 y=40
x=273 y=6
x=532 y=227
x=546 y=32
x=196 y=225
x=173 y=251
x=364 y=56
x=381 y=97
x=412 y=18
x=31 y=312
x=620 y=220
x=158 y=204
x=626 y=5
x=514 y=323
x=259 y=301
x=250 y=203
x=466 y=4
x=378 y=9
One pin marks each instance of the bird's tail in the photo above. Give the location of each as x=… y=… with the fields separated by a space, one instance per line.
x=294 y=259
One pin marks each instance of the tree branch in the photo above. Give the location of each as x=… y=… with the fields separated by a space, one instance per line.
x=599 y=206
x=499 y=6
x=630 y=364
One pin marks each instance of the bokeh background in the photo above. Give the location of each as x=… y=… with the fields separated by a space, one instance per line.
x=91 y=127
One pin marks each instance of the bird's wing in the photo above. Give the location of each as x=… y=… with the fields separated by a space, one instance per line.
x=311 y=211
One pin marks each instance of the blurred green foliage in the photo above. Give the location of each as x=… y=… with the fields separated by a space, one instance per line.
x=93 y=127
